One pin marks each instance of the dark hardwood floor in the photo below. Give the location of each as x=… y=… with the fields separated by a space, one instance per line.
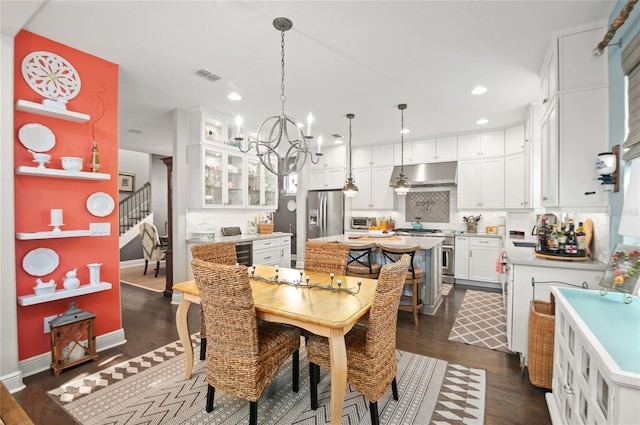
x=149 y=322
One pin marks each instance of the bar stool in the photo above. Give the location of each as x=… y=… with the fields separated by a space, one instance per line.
x=415 y=275
x=361 y=262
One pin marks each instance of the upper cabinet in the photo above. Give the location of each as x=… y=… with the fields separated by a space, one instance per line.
x=372 y=156
x=474 y=146
x=574 y=120
x=262 y=185
x=442 y=149
x=329 y=172
x=514 y=139
x=333 y=157
x=216 y=177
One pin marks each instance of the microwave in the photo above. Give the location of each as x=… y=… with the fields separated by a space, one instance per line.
x=361 y=222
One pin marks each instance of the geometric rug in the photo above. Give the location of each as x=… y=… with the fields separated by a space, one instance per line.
x=151 y=389
x=446 y=288
x=481 y=321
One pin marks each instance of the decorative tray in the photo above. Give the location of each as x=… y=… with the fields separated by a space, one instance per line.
x=562 y=257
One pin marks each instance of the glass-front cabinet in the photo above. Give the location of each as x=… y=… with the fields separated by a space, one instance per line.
x=216 y=177
x=262 y=185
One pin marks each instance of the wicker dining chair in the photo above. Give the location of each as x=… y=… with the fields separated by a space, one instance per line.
x=326 y=257
x=361 y=261
x=371 y=348
x=415 y=276
x=219 y=253
x=244 y=353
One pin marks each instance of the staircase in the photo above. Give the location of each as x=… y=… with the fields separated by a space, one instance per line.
x=133 y=210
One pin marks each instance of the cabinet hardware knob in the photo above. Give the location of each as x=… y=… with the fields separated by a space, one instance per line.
x=544 y=101
x=568 y=389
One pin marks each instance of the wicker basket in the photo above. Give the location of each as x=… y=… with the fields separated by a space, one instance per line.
x=265 y=228
x=542 y=321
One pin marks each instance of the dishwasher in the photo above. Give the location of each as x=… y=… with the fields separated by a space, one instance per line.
x=244 y=250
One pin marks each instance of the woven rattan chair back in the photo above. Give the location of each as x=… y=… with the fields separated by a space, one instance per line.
x=219 y=253
x=381 y=326
x=413 y=278
x=326 y=257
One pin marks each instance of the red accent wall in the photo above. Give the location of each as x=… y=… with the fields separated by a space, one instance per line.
x=35 y=196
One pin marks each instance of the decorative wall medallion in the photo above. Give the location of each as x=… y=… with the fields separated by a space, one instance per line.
x=52 y=77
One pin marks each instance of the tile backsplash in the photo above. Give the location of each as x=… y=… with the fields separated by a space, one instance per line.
x=431 y=207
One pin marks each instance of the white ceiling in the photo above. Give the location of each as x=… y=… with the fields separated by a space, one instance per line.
x=361 y=57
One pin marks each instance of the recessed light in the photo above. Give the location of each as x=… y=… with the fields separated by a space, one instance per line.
x=479 y=90
x=482 y=121
x=134 y=131
x=234 y=96
x=405 y=131
x=337 y=141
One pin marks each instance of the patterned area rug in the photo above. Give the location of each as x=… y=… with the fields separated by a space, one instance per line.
x=133 y=276
x=446 y=288
x=151 y=390
x=481 y=321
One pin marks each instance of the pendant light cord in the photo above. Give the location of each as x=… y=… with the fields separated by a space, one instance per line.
x=282 y=96
x=350 y=167
x=402 y=143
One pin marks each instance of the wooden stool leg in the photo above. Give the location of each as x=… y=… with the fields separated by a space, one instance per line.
x=414 y=299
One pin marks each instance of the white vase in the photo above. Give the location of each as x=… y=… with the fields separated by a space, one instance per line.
x=94 y=273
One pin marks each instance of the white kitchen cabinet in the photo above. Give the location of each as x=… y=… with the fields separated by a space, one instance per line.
x=332 y=178
x=216 y=177
x=578 y=67
x=441 y=149
x=532 y=123
x=549 y=158
x=596 y=379
x=514 y=139
x=285 y=251
x=267 y=251
x=529 y=282
x=481 y=184
x=374 y=191
x=483 y=253
x=518 y=179
x=372 y=156
x=473 y=146
x=462 y=258
x=549 y=78
x=262 y=186
x=398 y=153
x=206 y=126
x=332 y=157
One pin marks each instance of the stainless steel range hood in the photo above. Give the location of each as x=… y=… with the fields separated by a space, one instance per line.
x=434 y=174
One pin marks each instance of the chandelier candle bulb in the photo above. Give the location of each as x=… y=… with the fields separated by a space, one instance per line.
x=239 y=128
x=309 y=122
x=319 y=145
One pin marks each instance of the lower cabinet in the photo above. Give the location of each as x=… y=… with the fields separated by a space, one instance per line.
x=526 y=283
x=475 y=258
x=596 y=379
x=285 y=251
x=267 y=251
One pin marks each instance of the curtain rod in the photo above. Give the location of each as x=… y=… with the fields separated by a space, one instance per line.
x=622 y=17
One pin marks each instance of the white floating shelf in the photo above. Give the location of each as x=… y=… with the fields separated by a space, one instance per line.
x=48 y=111
x=23 y=236
x=63 y=174
x=60 y=294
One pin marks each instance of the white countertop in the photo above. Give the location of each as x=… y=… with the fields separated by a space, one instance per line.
x=479 y=235
x=239 y=238
x=525 y=256
x=422 y=242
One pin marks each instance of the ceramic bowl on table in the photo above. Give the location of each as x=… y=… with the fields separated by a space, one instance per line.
x=71 y=163
x=380 y=233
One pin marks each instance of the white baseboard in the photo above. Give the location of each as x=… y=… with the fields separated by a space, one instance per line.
x=13 y=381
x=42 y=362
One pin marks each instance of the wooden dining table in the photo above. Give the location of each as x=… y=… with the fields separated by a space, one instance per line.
x=323 y=312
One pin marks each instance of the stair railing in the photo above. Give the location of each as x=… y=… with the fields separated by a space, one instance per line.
x=134 y=208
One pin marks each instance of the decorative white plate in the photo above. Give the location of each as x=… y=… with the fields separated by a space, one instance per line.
x=51 y=76
x=100 y=204
x=36 y=137
x=40 y=261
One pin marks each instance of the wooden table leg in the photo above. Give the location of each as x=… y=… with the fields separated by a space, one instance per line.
x=183 y=333
x=338 y=354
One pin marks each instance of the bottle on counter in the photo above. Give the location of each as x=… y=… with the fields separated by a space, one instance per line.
x=562 y=237
x=571 y=246
x=581 y=240
x=552 y=239
x=541 y=244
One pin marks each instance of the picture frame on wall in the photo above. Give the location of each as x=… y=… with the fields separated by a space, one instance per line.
x=126 y=182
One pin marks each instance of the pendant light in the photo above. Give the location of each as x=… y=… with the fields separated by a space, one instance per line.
x=350 y=189
x=402 y=186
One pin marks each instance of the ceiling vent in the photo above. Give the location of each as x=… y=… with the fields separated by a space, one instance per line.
x=207 y=75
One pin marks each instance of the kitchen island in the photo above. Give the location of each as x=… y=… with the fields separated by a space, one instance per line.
x=429 y=259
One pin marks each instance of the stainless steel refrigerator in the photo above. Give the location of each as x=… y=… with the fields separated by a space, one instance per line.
x=325 y=213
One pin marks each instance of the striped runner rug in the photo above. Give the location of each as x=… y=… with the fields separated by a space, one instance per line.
x=151 y=389
x=481 y=321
